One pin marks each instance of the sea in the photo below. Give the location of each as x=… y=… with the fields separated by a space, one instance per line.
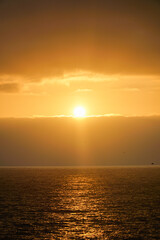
x=80 y=203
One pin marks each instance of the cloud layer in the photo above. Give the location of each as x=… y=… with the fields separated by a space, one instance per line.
x=79 y=82
x=91 y=141
x=48 y=38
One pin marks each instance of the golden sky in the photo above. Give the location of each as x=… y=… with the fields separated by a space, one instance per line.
x=55 y=55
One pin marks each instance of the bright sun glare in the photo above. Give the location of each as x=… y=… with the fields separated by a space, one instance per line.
x=79 y=112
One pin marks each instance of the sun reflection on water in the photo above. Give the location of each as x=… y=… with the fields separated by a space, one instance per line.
x=78 y=209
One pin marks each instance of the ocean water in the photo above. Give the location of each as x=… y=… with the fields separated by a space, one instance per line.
x=80 y=203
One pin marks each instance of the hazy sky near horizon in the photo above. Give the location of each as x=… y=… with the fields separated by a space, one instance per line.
x=89 y=141
x=104 y=55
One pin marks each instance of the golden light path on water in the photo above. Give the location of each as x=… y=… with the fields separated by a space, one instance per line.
x=80 y=208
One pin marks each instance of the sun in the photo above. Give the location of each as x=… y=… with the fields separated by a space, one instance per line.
x=79 y=112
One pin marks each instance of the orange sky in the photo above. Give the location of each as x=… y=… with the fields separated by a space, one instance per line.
x=55 y=55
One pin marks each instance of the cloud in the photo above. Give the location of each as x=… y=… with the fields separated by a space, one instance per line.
x=41 y=86
x=9 y=87
x=103 y=141
x=106 y=115
x=81 y=90
x=47 y=38
x=79 y=82
x=89 y=81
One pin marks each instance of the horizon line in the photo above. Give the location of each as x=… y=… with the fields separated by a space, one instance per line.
x=78 y=166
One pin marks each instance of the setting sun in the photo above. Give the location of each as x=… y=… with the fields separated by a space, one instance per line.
x=79 y=112
x=79 y=119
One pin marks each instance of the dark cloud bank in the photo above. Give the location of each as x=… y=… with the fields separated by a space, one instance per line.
x=90 y=141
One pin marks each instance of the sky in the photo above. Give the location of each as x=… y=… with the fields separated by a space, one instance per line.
x=56 y=55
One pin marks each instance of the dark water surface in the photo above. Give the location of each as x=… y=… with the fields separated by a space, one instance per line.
x=85 y=203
